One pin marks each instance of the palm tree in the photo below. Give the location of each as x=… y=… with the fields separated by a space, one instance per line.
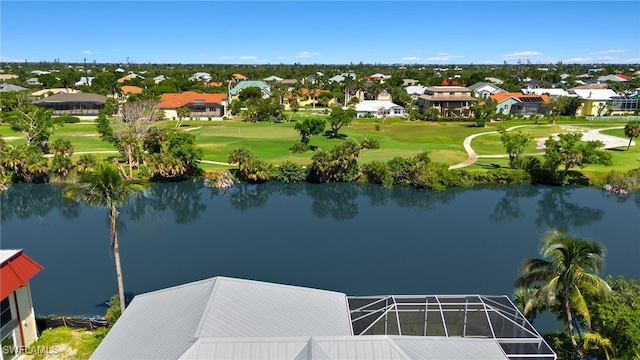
x=105 y=187
x=569 y=273
x=631 y=130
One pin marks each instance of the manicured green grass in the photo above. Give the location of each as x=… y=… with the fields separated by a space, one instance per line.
x=68 y=343
x=272 y=141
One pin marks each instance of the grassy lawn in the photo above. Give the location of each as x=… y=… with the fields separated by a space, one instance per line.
x=68 y=343
x=272 y=141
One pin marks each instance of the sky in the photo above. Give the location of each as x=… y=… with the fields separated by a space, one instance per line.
x=321 y=32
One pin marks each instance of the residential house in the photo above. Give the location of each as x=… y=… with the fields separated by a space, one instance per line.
x=202 y=106
x=128 y=89
x=33 y=81
x=553 y=92
x=623 y=105
x=158 y=79
x=239 y=77
x=520 y=104
x=449 y=100
x=11 y=87
x=309 y=97
x=594 y=101
x=227 y=318
x=129 y=77
x=8 y=76
x=415 y=90
x=289 y=82
x=379 y=108
x=40 y=72
x=452 y=82
x=273 y=78
x=200 y=76
x=614 y=78
x=484 y=89
x=120 y=70
x=49 y=92
x=18 y=327
x=85 y=80
x=80 y=104
x=378 y=77
x=235 y=91
x=494 y=80
x=409 y=82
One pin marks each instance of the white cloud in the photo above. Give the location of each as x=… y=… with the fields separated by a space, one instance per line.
x=442 y=56
x=261 y=61
x=9 y=59
x=306 y=54
x=633 y=60
x=605 y=52
x=523 y=54
x=248 y=57
x=490 y=62
x=227 y=57
x=578 y=59
x=88 y=52
x=410 y=58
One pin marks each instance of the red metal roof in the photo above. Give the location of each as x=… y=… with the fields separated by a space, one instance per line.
x=16 y=272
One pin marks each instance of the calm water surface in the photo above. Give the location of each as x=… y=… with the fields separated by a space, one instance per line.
x=357 y=239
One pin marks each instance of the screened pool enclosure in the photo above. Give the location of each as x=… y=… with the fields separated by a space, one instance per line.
x=467 y=316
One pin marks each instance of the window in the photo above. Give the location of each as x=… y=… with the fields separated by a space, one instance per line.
x=452 y=93
x=5 y=313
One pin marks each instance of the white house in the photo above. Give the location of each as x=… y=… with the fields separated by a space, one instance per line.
x=415 y=91
x=18 y=326
x=484 y=89
x=553 y=92
x=200 y=76
x=84 y=81
x=158 y=79
x=379 y=108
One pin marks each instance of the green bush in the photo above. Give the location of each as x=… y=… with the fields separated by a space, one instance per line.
x=377 y=172
x=114 y=311
x=67 y=119
x=367 y=143
x=289 y=171
x=299 y=148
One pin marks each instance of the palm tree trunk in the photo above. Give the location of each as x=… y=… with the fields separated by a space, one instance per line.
x=116 y=254
x=567 y=308
x=629 y=146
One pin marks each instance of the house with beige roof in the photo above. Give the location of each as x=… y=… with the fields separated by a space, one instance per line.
x=453 y=101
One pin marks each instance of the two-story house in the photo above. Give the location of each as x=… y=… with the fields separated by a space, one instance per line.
x=449 y=100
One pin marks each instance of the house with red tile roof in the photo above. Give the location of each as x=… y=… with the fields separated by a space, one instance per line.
x=202 y=106
x=128 y=89
x=17 y=314
x=520 y=104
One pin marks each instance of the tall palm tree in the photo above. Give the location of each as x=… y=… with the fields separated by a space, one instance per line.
x=631 y=130
x=105 y=187
x=570 y=271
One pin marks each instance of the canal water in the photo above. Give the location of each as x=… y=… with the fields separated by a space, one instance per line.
x=352 y=238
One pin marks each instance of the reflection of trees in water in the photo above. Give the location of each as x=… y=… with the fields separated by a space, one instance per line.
x=244 y=196
x=556 y=211
x=421 y=199
x=508 y=208
x=183 y=199
x=27 y=200
x=340 y=200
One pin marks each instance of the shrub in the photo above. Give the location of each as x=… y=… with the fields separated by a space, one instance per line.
x=377 y=127
x=289 y=171
x=299 y=148
x=114 y=311
x=367 y=143
x=377 y=172
x=67 y=119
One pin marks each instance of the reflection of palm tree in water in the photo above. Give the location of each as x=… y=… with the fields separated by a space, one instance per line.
x=555 y=211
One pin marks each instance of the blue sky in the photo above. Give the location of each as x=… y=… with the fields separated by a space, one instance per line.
x=323 y=32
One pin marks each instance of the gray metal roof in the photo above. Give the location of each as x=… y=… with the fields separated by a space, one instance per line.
x=157 y=325
x=346 y=348
x=11 y=87
x=164 y=324
x=245 y=308
x=68 y=97
x=226 y=318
